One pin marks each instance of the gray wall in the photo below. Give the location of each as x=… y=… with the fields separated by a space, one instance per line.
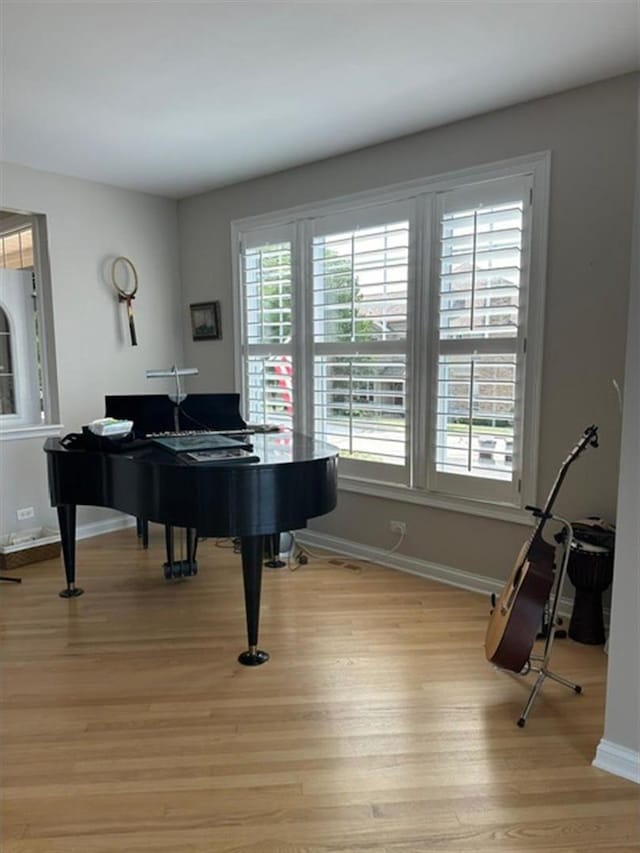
x=622 y=721
x=89 y=223
x=590 y=132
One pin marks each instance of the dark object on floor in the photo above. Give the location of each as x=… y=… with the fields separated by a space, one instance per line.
x=590 y=570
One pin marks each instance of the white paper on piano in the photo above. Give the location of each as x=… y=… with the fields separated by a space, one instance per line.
x=110 y=427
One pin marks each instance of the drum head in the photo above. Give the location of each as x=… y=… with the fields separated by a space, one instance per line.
x=588 y=547
x=596 y=532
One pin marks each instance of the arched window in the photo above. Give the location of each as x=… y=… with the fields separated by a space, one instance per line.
x=7 y=388
x=28 y=396
x=20 y=389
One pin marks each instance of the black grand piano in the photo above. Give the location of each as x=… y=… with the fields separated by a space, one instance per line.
x=159 y=414
x=294 y=479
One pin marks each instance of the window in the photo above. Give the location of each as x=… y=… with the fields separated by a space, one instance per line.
x=395 y=325
x=359 y=286
x=479 y=333
x=26 y=387
x=7 y=383
x=267 y=299
x=16 y=249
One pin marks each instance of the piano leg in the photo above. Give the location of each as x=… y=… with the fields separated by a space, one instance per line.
x=272 y=543
x=169 y=566
x=192 y=547
x=252 y=549
x=67 y=522
x=142 y=529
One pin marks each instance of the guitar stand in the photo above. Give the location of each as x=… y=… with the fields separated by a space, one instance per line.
x=543 y=633
x=539 y=663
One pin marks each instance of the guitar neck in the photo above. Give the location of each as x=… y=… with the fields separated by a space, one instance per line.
x=551 y=498
x=589 y=438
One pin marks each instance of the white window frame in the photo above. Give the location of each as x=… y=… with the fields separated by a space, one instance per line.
x=422 y=299
x=367 y=216
x=27 y=422
x=282 y=233
x=478 y=488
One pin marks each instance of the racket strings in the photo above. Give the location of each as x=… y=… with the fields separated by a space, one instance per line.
x=125 y=295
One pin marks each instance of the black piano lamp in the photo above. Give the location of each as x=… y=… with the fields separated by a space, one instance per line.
x=179 y=396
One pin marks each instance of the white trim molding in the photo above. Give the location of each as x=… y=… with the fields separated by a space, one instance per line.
x=390 y=559
x=109 y=525
x=619 y=760
x=398 y=492
x=393 y=192
x=35 y=431
x=414 y=566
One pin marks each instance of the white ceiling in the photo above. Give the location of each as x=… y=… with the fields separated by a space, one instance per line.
x=177 y=97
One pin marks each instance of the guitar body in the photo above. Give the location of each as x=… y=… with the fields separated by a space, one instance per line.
x=517 y=615
x=516 y=618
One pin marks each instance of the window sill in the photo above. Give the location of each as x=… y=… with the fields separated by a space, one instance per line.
x=395 y=492
x=17 y=433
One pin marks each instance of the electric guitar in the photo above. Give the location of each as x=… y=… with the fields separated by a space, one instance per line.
x=515 y=618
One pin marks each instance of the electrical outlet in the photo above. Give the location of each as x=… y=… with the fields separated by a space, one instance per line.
x=398 y=527
x=24 y=513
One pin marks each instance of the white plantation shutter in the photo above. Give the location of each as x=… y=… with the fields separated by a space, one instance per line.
x=481 y=284
x=360 y=285
x=400 y=326
x=267 y=300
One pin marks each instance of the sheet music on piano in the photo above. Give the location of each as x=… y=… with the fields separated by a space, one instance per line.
x=200 y=443
x=217 y=457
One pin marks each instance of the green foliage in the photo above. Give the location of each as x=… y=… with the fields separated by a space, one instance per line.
x=342 y=289
x=275 y=303
x=345 y=325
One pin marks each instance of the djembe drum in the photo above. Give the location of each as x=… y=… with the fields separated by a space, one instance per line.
x=590 y=570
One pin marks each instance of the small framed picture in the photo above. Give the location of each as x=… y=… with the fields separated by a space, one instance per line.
x=205 y=321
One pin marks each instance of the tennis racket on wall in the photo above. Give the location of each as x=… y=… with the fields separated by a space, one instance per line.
x=124 y=278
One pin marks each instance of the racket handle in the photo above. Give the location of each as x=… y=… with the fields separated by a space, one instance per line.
x=132 y=326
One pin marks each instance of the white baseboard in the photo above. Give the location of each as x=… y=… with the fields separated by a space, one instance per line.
x=97 y=528
x=394 y=560
x=618 y=760
x=414 y=566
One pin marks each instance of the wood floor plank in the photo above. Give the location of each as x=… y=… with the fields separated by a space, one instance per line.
x=127 y=723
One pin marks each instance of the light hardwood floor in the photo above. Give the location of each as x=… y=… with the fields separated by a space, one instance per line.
x=377 y=725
